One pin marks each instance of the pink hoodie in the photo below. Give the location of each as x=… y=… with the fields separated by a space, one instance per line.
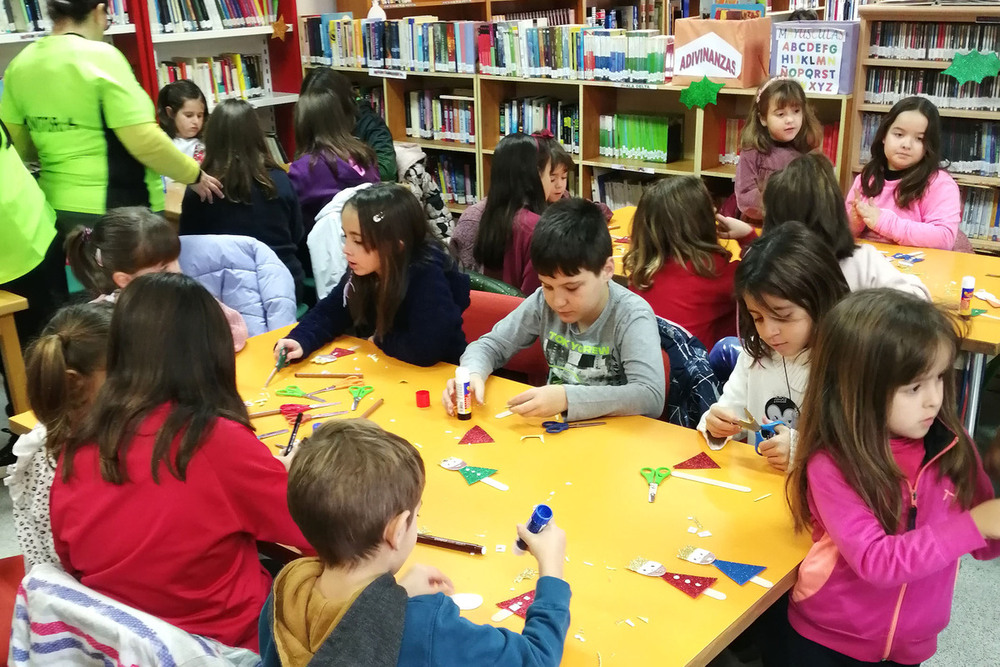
x=874 y=596
x=930 y=222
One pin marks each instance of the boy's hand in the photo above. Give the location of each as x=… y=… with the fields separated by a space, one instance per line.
x=477 y=386
x=293 y=350
x=987 y=518
x=731 y=228
x=540 y=401
x=425 y=580
x=721 y=423
x=548 y=547
x=777 y=448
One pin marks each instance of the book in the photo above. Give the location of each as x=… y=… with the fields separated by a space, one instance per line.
x=641 y=137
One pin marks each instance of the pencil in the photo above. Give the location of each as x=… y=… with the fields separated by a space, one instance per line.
x=375 y=406
x=454 y=545
x=330 y=375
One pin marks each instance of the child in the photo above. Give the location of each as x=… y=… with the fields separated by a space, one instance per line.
x=780 y=126
x=562 y=165
x=600 y=340
x=65 y=368
x=494 y=236
x=260 y=201
x=329 y=159
x=347 y=603
x=675 y=261
x=181 y=110
x=127 y=243
x=402 y=289
x=888 y=482
x=786 y=282
x=159 y=500
x=902 y=196
x=807 y=190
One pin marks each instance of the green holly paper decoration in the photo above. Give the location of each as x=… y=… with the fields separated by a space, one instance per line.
x=700 y=93
x=974 y=66
x=472 y=474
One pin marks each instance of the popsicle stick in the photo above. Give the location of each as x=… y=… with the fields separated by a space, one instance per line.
x=712 y=593
x=760 y=581
x=499 y=486
x=501 y=615
x=330 y=375
x=706 y=480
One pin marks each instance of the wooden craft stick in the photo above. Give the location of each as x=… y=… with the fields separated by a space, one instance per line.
x=330 y=375
x=375 y=406
x=264 y=413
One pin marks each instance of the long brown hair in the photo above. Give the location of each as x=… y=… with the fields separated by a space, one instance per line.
x=236 y=153
x=61 y=365
x=169 y=345
x=783 y=92
x=323 y=129
x=675 y=220
x=871 y=344
x=915 y=180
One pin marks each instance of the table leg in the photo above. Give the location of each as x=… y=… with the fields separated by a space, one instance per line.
x=13 y=364
x=974 y=380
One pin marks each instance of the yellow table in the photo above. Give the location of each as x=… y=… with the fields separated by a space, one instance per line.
x=10 y=349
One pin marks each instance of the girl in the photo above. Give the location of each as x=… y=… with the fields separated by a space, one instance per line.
x=675 y=261
x=888 y=482
x=780 y=126
x=786 y=282
x=902 y=195
x=181 y=110
x=160 y=499
x=65 y=368
x=402 y=290
x=562 y=167
x=260 y=201
x=127 y=243
x=807 y=190
x=494 y=236
x=329 y=159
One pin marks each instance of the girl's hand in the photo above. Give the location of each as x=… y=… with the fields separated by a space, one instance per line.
x=721 y=423
x=477 y=387
x=731 y=228
x=868 y=212
x=987 y=518
x=777 y=449
x=540 y=401
x=206 y=186
x=425 y=580
x=293 y=350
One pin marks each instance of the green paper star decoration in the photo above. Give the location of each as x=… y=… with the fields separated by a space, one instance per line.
x=700 y=93
x=974 y=66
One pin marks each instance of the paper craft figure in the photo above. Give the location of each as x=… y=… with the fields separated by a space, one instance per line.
x=649 y=568
x=333 y=355
x=701 y=461
x=689 y=584
x=475 y=436
x=518 y=605
x=473 y=474
x=741 y=573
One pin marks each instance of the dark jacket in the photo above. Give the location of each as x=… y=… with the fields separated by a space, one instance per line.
x=371 y=129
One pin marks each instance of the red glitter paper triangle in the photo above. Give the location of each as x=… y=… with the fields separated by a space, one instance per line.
x=475 y=436
x=525 y=601
x=688 y=583
x=700 y=462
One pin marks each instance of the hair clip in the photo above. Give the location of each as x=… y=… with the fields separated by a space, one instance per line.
x=87 y=231
x=97 y=258
x=544 y=134
x=378 y=217
x=768 y=83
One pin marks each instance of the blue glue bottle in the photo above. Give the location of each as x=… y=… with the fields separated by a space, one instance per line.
x=540 y=518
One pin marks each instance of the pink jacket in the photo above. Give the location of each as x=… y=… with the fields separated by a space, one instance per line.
x=874 y=596
x=930 y=222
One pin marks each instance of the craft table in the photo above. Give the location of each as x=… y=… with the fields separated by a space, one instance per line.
x=10 y=349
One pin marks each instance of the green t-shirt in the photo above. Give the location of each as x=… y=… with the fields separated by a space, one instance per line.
x=72 y=92
x=27 y=222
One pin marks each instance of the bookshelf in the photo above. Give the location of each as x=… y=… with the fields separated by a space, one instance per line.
x=890 y=68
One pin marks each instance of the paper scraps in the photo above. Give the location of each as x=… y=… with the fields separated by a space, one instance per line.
x=701 y=461
x=526 y=573
x=476 y=436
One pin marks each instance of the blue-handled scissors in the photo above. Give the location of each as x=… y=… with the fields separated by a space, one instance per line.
x=559 y=427
x=763 y=431
x=298 y=392
x=654 y=477
x=358 y=393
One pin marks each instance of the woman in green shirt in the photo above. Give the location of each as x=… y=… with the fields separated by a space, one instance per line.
x=74 y=99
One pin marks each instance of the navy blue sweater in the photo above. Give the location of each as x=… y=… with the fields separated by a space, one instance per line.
x=428 y=324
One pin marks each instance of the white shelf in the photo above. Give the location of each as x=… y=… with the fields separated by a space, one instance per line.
x=199 y=35
x=274 y=99
x=124 y=29
x=28 y=37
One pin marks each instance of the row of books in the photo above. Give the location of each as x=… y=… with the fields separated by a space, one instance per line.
x=563 y=16
x=433 y=114
x=844 y=10
x=731 y=129
x=374 y=97
x=229 y=76
x=455 y=175
x=33 y=15
x=177 y=16
x=980 y=213
x=885 y=85
x=646 y=14
x=969 y=146
x=931 y=41
x=616 y=190
x=639 y=137
x=536 y=114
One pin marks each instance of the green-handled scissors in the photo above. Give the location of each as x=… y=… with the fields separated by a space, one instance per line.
x=654 y=477
x=298 y=392
x=358 y=393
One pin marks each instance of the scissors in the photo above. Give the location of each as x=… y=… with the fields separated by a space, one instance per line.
x=654 y=477
x=349 y=382
x=359 y=392
x=559 y=427
x=293 y=390
x=281 y=363
x=763 y=431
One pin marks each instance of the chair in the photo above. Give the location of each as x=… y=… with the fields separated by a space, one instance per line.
x=693 y=386
x=482 y=283
x=484 y=311
x=723 y=357
x=244 y=274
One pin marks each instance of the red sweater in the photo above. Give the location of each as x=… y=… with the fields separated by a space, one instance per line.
x=182 y=551
x=705 y=307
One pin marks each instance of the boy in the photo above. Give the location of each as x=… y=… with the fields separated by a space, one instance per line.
x=600 y=340
x=354 y=490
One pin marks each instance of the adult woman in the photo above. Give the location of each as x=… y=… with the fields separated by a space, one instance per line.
x=76 y=99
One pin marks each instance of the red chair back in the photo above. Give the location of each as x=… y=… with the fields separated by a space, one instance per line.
x=11 y=574
x=484 y=311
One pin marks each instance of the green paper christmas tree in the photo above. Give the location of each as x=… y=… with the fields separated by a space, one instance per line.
x=974 y=66
x=472 y=474
x=700 y=93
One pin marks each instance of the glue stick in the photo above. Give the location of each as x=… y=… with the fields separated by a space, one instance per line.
x=463 y=393
x=540 y=518
x=968 y=287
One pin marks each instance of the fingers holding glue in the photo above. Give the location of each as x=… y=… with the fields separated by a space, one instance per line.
x=477 y=388
x=426 y=580
x=293 y=350
x=548 y=547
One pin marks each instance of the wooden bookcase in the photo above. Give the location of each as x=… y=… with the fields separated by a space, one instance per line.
x=872 y=14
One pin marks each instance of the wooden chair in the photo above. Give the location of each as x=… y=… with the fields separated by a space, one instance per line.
x=10 y=350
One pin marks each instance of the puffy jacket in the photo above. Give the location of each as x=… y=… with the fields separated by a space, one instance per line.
x=326 y=242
